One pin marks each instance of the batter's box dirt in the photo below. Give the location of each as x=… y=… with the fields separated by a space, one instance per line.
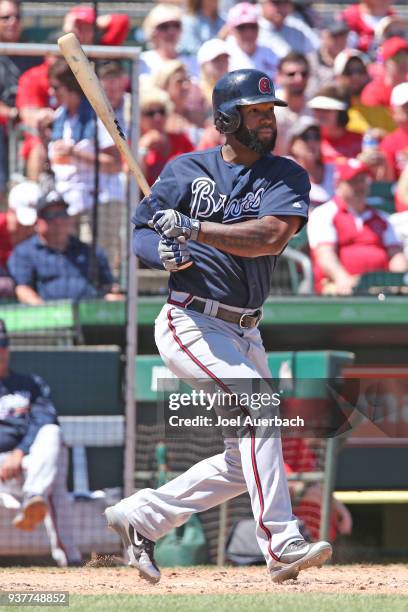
x=367 y=579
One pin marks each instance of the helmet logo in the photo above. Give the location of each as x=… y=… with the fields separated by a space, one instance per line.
x=265 y=85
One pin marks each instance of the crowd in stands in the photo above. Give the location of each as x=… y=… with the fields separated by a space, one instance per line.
x=345 y=81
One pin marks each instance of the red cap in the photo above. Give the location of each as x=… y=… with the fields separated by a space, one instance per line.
x=392 y=46
x=83 y=13
x=350 y=168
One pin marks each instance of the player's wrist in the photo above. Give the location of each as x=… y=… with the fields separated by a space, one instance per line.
x=195 y=229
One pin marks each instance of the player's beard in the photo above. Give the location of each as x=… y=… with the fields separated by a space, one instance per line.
x=250 y=139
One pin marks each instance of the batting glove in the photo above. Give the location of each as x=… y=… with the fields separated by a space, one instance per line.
x=174 y=254
x=172 y=224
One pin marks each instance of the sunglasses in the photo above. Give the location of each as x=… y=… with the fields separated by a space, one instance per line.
x=247 y=26
x=15 y=16
x=279 y=2
x=154 y=111
x=355 y=71
x=311 y=137
x=57 y=214
x=303 y=73
x=163 y=27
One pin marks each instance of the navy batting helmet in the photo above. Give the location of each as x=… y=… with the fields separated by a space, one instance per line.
x=240 y=88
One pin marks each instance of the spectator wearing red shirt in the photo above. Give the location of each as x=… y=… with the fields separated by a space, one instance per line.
x=156 y=145
x=394 y=53
x=395 y=145
x=16 y=224
x=363 y=18
x=348 y=237
x=330 y=110
x=110 y=29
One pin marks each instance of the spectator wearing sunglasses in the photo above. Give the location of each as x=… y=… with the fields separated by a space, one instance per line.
x=281 y=33
x=292 y=79
x=244 y=50
x=162 y=30
x=189 y=106
x=330 y=109
x=53 y=264
x=304 y=147
x=156 y=145
x=351 y=74
x=201 y=23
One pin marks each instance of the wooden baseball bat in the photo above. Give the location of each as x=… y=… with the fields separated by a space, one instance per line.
x=92 y=88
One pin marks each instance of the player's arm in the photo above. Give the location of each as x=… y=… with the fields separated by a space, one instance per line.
x=152 y=250
x=328 y=260
x=283 y=211
x=266 y=236
x=42 y=412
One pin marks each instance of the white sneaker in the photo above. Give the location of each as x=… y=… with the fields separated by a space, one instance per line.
x=300 y=555
x=139 y=548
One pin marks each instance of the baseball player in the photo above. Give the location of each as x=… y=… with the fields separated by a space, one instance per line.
x=230 y=211
x=33 y=461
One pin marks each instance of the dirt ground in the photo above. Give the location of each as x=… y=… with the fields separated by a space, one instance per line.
x=90 y=580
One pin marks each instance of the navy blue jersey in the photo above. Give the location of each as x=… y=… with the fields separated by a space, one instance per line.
x=204 y=186
x=25 y=406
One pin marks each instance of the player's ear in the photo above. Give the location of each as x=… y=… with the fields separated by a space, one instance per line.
x=228 y=123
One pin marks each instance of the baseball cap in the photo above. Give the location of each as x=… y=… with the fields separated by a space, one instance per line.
x=301 y=126
x=335 y=26
x=347 y=170
x=161 y=13
x=343 y=58
x=241 y=13
x=327 y=103
x=83 y=13
x=211 y=49
x=399 y=95
x=4 y=340
x=392 y=46
x=23 y=199
x=49 y=199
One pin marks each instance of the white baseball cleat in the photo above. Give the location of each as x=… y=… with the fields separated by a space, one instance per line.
x=300 y=555
x=139 y=548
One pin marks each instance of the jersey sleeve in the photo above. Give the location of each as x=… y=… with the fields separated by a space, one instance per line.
x=165 y=194
x=42 y=412
x=321 y=228
x=288 y=195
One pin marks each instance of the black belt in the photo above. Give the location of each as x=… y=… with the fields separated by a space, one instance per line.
x=245 y=320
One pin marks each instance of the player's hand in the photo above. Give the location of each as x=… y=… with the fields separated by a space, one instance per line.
x=173 y=224
x=12 y=466
x=174 y=254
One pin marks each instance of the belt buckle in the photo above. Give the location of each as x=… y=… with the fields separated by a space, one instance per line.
x=257 y=315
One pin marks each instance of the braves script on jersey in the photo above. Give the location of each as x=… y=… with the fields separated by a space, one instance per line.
x=203 y=186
